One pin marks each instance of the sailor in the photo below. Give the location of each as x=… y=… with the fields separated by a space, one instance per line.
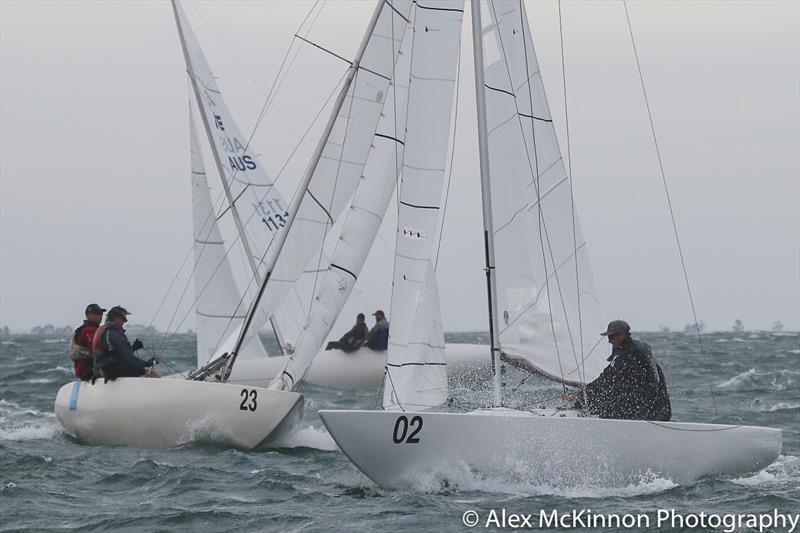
x=353 y=339
x=378 y=336
x=113 y=353
x=632 y=386
x=81 y=343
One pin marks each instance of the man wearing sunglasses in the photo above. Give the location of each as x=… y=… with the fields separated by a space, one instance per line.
x=632 y=386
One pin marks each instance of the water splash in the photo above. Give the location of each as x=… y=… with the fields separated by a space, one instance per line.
x=307 y=437
x=784 y=471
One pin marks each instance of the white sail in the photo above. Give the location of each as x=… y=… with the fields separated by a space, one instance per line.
x=248 y=186
x=335 y=176
x=537 y=287
x=218 y=310
x=416 y=371
x=361 y=224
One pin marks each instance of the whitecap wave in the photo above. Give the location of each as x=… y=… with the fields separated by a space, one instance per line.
x=18 y=423
x=784 y=406
x=738 y=379
x=29 y=432
x=307 y=437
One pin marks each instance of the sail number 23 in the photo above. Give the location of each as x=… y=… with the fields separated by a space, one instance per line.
x=248 y=400
x=406 y=431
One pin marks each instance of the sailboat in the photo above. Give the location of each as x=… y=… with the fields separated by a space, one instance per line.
x=541 y=305
x=158 y=413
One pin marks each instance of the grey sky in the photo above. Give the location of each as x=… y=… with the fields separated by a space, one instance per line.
x=94 y=162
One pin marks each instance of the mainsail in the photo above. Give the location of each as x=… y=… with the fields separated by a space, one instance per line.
x=361 y=225
x=217 y=307
x=416 y=372
x=540 y=256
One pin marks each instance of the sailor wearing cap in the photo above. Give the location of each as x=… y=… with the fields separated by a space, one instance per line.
x=81 y=344
x=632 y=386
x=378 y=336
x=113 y=352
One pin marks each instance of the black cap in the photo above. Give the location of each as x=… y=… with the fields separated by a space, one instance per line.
x=94 y=308
x=378 y=312
x=118 y=310
x=616 y=326
x=360 y=315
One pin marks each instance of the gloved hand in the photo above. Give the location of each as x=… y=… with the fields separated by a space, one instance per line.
x=137 y=344
x=150 y=362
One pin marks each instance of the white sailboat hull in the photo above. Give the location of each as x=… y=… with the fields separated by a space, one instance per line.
x=362 y=369
x=160 y=413
x=549 y=447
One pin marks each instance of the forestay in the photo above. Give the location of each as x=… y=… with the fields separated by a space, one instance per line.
x=537 y=238
x=361 y=224
x=416 y=372
x=217 y=308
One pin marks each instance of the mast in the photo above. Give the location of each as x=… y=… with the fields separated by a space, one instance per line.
x=218 y=162
x=303 y=188
x=486 y=200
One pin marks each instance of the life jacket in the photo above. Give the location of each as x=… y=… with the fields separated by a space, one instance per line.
x=99 y=342
x=81 y=352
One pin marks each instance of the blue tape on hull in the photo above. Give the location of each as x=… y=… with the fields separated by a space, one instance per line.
x=73 y=399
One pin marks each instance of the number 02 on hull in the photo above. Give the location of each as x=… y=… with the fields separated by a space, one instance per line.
x=160 y=413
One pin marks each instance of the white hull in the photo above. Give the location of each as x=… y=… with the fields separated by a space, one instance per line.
x=160 y=413
x=362 y=369
x=559 y=449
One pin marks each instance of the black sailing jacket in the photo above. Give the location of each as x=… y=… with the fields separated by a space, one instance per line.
x=631 y=387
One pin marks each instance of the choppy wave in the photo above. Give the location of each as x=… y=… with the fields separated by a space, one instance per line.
x=18 y=423
x=784 y=406
x=738 y=379
x=755 y=379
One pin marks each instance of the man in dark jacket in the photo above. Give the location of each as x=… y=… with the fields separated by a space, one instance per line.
x=353 y=339
x=378 y=336
x=113 y=353
x=632 y=386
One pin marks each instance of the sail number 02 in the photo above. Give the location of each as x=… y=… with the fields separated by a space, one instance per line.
x=401 y=433
x=248 y=395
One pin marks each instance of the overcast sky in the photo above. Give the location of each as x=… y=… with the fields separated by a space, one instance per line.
x=94 y=153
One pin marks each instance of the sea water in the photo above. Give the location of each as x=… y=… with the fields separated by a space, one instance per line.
x=50 y=482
